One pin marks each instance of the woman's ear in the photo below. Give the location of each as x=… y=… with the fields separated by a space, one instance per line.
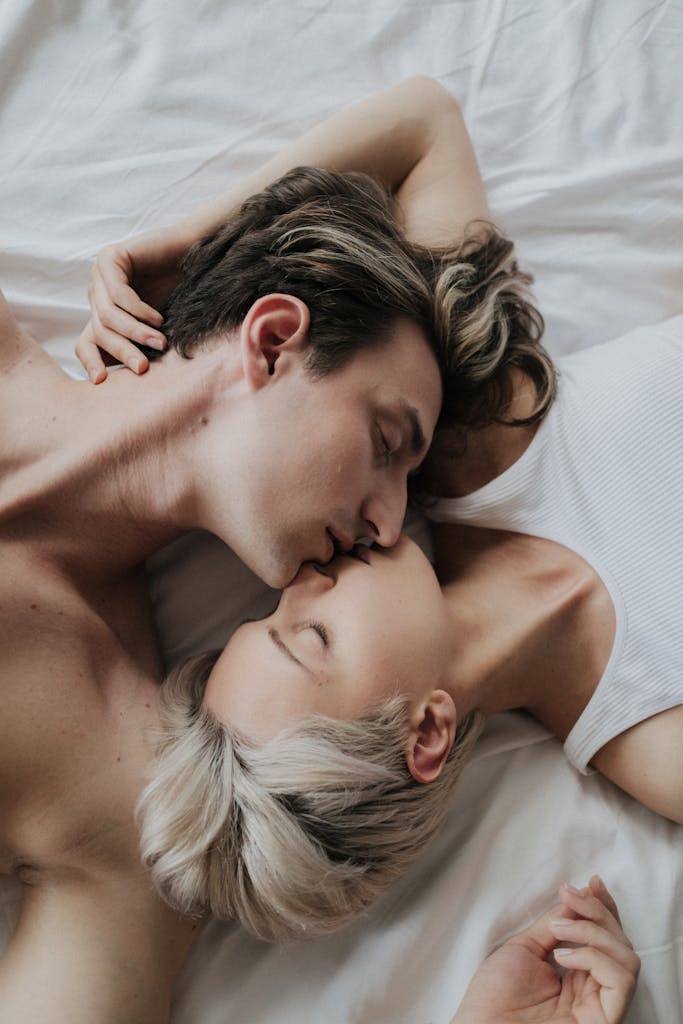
x=275 y=324
x=432 y=732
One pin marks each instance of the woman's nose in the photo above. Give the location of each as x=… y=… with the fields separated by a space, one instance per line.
x=314 y=578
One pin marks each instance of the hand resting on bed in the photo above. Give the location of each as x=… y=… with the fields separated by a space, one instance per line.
x=517 y=983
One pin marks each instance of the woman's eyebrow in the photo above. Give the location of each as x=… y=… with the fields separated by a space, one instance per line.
x=282 y=646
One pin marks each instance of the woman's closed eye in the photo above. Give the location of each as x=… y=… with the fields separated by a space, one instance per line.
x=320 y=631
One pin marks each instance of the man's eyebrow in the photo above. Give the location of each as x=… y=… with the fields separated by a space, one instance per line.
x=418 y=441
x=282 y=646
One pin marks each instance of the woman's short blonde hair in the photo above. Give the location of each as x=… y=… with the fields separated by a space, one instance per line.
x=292 y=837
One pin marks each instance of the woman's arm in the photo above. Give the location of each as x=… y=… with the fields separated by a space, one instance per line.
x=647 y=762
x=411 y=137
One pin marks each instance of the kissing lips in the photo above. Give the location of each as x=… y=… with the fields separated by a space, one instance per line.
x=360 y=552
x=340 y=543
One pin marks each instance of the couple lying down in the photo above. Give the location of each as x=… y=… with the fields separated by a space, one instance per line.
x=302 y=769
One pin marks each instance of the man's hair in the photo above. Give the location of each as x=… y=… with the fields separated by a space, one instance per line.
x=330 y=239
x=333 y=240
x=294 y=836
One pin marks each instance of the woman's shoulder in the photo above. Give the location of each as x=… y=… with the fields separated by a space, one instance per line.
x=641 y=348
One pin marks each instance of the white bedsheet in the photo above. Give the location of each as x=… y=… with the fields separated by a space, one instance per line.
x=117 y=117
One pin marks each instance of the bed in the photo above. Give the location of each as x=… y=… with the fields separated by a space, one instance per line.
x=118 y=117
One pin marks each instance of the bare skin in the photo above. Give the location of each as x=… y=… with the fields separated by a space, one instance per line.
x=79 y=673
x=81 y=504
x=80 y=669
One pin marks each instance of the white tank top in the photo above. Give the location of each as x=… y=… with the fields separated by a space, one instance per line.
x=603 y=475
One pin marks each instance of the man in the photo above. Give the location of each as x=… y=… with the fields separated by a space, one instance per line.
x=277 y=436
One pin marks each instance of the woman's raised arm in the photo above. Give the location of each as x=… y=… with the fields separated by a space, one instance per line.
x=411 y=137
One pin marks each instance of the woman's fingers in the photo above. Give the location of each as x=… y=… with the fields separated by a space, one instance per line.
x=114 y=270
x=120 y=320
x=617 y=983
x=597 y=888
x=117 y=320
x=589 y=920
x=120 y=349
x=588 y=934
x=116 y=345
x=584 y=904
x=90 y=356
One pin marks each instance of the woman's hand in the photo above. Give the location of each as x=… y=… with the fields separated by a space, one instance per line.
x=128 y=283
x=584 y=933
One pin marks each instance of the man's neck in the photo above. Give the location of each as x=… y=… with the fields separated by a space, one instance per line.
x=125 y=466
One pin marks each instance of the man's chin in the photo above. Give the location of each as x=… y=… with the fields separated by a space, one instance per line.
x=278 y=575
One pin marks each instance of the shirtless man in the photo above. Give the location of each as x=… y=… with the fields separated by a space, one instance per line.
x=92 y=484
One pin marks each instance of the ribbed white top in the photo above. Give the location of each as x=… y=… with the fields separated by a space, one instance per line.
x=604 y=476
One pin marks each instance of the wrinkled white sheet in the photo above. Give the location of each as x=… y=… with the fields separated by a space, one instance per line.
x=118 y=117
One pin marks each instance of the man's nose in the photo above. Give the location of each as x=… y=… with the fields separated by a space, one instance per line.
x=384 y=512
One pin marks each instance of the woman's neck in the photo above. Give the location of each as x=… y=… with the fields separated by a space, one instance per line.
x=534 y=624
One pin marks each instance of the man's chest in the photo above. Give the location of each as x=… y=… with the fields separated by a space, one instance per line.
x=64 y=676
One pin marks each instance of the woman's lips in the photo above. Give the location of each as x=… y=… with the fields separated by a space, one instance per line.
x=361 y=552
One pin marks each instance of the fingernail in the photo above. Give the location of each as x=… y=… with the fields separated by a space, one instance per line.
x=564 y=952
x=561 y=922
x=157 y=340
x=136 y=365
x=94 y=376
x=572 y=888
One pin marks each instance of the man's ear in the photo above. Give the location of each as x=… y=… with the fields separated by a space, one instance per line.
x=274 y=324
x=432 y=732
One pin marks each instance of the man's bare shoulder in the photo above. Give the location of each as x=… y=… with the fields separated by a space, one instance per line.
x=13 y=341
x=99 y=948
x=17 y=347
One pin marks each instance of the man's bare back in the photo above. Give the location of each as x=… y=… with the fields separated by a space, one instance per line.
x=79 y=672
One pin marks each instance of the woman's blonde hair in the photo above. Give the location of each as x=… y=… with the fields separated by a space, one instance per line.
x=292 y=837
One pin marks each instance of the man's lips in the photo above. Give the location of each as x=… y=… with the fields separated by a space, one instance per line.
x=340 y=542
x=338 y=545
